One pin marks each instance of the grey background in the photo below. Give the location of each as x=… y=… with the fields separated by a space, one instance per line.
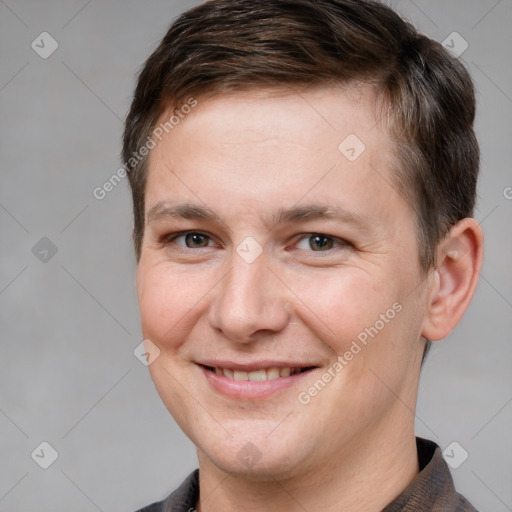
x=70 y=324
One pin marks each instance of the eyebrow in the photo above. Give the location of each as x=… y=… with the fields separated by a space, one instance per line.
x=313 y=212
x=295 y=214
x=164 y=209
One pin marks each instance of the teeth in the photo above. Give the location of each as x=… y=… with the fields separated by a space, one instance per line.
x=272 y=373
x=257 y=375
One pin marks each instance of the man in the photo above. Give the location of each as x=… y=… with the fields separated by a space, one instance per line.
x=303 y=176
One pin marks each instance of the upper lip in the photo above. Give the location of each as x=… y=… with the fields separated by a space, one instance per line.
x=253 y=366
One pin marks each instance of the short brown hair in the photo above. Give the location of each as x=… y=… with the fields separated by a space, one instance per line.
x=229 y=45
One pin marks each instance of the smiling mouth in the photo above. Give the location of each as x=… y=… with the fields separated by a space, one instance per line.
x=258 y=375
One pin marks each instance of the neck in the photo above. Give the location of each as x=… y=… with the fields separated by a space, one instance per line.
x=366 y=477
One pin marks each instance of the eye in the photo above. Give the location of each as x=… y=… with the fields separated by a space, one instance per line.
x=190 y=240
x=319 y=242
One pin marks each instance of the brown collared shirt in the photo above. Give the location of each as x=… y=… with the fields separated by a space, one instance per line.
x=432 y=490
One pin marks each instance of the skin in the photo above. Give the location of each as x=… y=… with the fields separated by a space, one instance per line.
x=245 y=156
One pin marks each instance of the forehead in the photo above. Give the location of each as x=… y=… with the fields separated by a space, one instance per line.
x=352 y=105
x=274 y=146
x=320 y=116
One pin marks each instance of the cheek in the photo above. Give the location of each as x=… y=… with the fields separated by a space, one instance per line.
x=169 y=300
x=169 y=303
x=371 y=326
x=343 y=303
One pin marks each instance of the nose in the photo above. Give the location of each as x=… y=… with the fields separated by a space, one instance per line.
x=249 y=301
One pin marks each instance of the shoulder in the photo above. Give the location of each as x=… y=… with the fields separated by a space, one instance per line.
x=433 y=487
x=463 y=505
x=183 y=499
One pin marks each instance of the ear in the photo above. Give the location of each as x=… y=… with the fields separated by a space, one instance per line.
x=459 y=260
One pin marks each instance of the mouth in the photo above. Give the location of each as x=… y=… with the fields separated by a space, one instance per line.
x=249 y=382
x=258 y=375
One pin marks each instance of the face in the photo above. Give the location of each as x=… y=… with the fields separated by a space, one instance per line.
x=279 y=281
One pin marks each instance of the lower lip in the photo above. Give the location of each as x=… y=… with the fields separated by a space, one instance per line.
x=249 y=389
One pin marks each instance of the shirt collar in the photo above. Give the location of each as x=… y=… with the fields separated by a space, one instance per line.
x=431 y=489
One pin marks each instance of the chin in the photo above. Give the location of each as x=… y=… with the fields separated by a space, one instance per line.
x=270 y=467
x=253 y=455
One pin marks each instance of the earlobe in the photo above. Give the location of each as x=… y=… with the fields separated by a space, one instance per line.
x=455 y=278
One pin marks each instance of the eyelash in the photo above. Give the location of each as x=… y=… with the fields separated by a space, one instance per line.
x=341 y=243
x=172 y=237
